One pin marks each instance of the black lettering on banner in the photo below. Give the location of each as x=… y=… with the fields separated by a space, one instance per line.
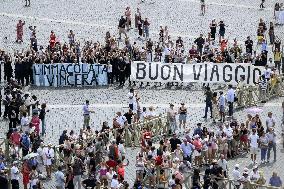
x=70 y=72
x=178 y=72
x=50 y=79
x=84 y=68
x=256 y=74
x=205 y=77
x=77 y=69
x=156 y=70
x=68 y=82
x=140 y=67
x=77 y=79
x=214 y=70
x=37 y=67
x=104 y=69
x=94 y=79
x=47 y=67
x=85 y=79
x=237 y=72
x=163 y=67
x=248 y=74
x=62 y=69
x=62 y=79
x=54 y=68
x=224 y=73
x=196 y=76
x=98 y=68
x=91 y=69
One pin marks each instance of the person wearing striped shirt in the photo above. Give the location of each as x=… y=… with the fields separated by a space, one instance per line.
x=262 y=88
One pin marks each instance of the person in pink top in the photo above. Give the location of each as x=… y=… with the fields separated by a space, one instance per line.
x=128 y=18
x=197 y=151
x=35 y=122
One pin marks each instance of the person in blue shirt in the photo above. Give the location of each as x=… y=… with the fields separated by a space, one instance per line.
x=275 y=180
x=2 y=165
x=198 y=130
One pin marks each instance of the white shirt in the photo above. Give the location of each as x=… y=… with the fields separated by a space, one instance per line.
x=15 y=173
x=229 y=133
x=114 y=184
x=253 y=140
x=231 y=95
x=236 y=176
x=269 y=122
x=267 y=73
x=24 y=121
x=121 y=120
x=59 y=178
x=223 y=163
x=109 y=68
x=130 y=98
x=167 y=51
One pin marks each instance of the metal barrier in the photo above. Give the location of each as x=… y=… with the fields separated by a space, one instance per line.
x=252 y=95
x=157 y=126
x=227 y=183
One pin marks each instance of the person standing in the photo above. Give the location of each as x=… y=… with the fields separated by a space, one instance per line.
x=253 y=138
x=28 y=3
x=213 y=29
x=263 y=144
x=221 y=104
x=20 y=32
x=200 y=42
x=86 y=114
x=231 y=99
x=131 y=98
x=15 y=176
x=249 y=45
x=271 y=143
x=25 y=143
x=42 y=118
x=121 y=27
x=262 y=4
x=146 y=25
x=128 y=18
x=59 y=179
x=172 y=118
x=222 y=30
x=271 y=33
x=237 y=176
x=277 y=59
x=202 y=4
x=208 y=102
x=52 y=40
x=270 y=121
x=121 y=69
x=182 y=115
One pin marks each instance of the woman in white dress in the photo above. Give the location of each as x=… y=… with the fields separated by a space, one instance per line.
x=49 y=156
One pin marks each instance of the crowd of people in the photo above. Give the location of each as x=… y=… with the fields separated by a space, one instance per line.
x=97 y=158
x=118 y=54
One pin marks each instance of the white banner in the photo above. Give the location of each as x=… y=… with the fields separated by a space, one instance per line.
x=69 y=74
x=201 y=72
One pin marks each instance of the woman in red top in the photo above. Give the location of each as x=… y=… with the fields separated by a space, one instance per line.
x=35 y=122
x=121 y=170
x=52 y=40
x=20 y=31
x=26 y=173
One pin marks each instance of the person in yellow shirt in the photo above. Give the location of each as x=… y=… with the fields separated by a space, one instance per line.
x=277 y=59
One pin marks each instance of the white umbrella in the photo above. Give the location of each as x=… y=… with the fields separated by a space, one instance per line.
x=254 y=110
x=30 y=155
